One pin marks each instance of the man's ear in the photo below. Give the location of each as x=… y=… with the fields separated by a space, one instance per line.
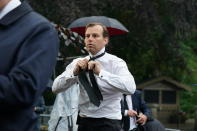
x=106 y=40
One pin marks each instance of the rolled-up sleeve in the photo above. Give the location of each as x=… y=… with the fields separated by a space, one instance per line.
x=65 y=80
x=121 y=78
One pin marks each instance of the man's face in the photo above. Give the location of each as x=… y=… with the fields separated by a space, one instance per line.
x=94 y=40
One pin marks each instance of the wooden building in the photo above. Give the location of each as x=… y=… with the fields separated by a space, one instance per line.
x=162 y=96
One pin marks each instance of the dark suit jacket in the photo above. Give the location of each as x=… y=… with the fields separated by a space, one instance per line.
x=139 y=105
x=28 y=50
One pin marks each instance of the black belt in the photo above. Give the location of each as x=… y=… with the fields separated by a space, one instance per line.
x=95 y=121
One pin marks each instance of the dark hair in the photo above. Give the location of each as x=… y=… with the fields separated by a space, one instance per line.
x=105 y=31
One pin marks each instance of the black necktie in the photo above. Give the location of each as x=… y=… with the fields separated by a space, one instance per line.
x=93 y=91
x=126 y=107
x=126 y=120
x=91 y=94
x=93 y=79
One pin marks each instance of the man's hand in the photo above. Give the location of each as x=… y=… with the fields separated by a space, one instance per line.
x=81 y=64
x=131 y=113
x=95 y=66
x=142 y=119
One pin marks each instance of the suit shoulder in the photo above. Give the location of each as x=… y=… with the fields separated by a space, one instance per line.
x=138 y=92
x=34 y=17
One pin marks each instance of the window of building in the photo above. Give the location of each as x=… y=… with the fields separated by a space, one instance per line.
x=168 y=97
x=151 y=96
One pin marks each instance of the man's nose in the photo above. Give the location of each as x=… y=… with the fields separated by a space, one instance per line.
x=90 y=38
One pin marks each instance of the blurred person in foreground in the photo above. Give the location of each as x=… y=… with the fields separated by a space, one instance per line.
x=28 y=50
x=102 y=78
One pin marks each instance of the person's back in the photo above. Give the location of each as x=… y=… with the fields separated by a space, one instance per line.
x=65 y=106
x=28 y=50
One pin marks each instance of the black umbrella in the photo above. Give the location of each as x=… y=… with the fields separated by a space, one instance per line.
x=114 y=26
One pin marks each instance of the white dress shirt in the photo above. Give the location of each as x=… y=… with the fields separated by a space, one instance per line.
x=130 y=106
x=9 y=7
x=113 y=80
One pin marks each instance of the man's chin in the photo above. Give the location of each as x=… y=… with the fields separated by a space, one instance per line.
x=90 y=50
x=93 y=52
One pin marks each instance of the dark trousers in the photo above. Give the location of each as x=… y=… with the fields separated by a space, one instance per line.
x=98 y=124
x=154 y=125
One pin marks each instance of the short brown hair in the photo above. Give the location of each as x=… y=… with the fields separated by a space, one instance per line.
x=105 y=31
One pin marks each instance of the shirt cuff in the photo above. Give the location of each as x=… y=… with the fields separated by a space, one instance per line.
x=125 y=113
x=103 y=74
x=73 y=76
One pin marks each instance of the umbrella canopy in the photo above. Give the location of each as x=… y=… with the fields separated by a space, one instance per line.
x=114 y=26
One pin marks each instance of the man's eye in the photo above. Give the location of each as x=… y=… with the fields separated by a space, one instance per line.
x=87 y=36
x=94 y=35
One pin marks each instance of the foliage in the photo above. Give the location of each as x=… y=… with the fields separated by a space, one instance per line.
x=189 y=50
x=189 y=102
x=148 y=46
x=177 y=117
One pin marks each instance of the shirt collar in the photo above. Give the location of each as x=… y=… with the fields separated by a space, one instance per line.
x=100 y=52
x=9 y=7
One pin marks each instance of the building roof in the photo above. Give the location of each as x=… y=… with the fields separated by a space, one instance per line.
x=164 y=80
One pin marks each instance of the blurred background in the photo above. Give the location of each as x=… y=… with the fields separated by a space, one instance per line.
x=160 y=50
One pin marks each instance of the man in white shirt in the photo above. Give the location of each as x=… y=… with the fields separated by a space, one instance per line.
x=113 y=79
